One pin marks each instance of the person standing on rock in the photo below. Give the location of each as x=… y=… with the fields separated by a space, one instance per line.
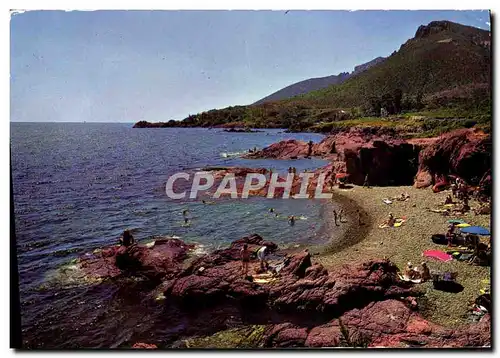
x=262 y=256
x=360 y=222
x=309 y=149
x=332 y=181
x=335 y=216
x=366 y=183
x=245 y=259
x=341 y=213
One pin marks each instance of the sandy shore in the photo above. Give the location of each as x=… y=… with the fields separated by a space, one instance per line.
x=406 y=243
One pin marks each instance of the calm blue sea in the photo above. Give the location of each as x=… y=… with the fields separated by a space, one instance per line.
x=77 y=186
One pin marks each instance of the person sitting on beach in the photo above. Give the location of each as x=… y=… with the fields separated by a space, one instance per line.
x=450 y=234
x=245 y=259
x=391 y=220
x=426 y=274
x=471 y=240
x=409 y=271
x=262 y=256
x=448 y=200
x=454 y=190
x=291 y=220
x=484 y=209
x=127 y=239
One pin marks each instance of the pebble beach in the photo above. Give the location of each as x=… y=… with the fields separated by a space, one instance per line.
x=406 y=243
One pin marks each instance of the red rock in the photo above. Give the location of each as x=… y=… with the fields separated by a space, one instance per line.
x=287 y=149
x=164 y=258
x=466 y=153
x=144 y=346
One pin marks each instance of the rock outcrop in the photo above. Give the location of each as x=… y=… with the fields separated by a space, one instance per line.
x=358 y=152
x=466 y=153
x=287 y=149
x=155 y=262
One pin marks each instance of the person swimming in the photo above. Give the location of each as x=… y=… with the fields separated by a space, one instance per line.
x=291 y=220
x=184 y=214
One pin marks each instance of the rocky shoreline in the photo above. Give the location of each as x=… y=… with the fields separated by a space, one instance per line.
x=331 y=297
x=362 y=304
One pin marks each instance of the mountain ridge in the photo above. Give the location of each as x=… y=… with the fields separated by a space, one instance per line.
x=316 y=83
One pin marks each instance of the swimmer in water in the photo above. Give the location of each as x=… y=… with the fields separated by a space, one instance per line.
x=291 y=220
x=271 y=210
x=186 y=219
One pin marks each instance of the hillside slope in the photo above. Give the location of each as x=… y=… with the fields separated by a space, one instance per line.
x=313 y=84
x=442 y=56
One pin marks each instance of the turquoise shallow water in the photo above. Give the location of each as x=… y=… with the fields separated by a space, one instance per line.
x=78 y=186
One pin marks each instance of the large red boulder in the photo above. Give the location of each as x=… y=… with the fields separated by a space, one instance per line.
x=466 y=153
x=286 y=149
x=155 y=262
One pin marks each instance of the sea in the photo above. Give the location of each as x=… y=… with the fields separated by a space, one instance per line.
x=78 y=186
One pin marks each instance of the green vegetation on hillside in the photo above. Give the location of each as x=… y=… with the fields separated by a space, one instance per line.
x=443 y=74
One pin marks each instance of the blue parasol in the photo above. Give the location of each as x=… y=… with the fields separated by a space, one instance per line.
x=476 y=230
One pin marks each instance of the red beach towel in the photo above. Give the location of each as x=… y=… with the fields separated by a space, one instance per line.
x=436 y=254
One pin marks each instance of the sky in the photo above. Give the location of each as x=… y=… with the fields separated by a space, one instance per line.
x=126 y=66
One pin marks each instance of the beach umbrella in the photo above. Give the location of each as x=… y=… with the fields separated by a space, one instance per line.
x=439 y=255
x=476 y=230
x=456 y=221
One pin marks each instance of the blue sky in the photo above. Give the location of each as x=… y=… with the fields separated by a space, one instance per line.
x=125 y=66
